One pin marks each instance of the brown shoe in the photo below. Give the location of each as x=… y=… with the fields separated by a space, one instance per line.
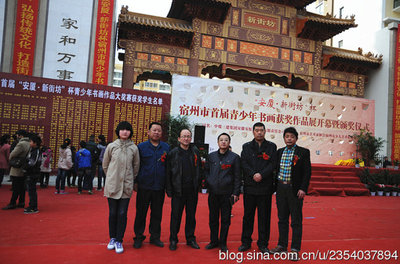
x=278 y=249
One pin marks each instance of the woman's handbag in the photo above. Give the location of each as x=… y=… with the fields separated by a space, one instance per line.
x=17 y=162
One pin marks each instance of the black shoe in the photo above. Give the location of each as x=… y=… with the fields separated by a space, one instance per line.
x=193 y=244
x=211 y=245
x=157 y=242
x=264 y=249
x=278 y=249
x=138 y=243
x=30 y=210
x=9 y=206
x=172 y=245
x=294 y=255
x=244 y=247
x=224 y=248
x=21 y=205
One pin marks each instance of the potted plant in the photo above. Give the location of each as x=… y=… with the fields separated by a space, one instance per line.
x=367 y=145
x=372 y=189
x=357 y=163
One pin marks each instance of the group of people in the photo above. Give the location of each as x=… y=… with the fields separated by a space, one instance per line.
x=81 y=164
x=152 y=169
x=29 y=162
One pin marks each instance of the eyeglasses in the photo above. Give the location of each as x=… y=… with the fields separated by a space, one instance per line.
x=186 y=137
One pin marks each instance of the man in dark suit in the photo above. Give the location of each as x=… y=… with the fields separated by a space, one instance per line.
x=182 y=184
x=293 y=177
x=257 y=159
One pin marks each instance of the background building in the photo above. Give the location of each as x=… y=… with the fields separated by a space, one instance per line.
x=376 y=32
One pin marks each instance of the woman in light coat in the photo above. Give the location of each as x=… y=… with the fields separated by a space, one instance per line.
x=64 y=165
x=121 y=165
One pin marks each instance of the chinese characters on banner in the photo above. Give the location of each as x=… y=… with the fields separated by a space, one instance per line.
x=68 y=34
x=103 y=40
x=25 y=36
x=59 y=109
x=324 y=122
x=396 y=103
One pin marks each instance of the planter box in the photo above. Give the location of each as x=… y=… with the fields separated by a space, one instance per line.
x=373 y=193
x=387 y=193
x=380 y=193
x=394 y=193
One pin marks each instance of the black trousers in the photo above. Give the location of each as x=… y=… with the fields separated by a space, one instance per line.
x=44 y=179
x=219 y=205
x=144 y=200
x=2 y=172
x=84 y=176
x=18 y=190
x=289 y=204
x=187 y=201
x=30 y=182
x=263 y=205
x=118 y=216
x=71 y=174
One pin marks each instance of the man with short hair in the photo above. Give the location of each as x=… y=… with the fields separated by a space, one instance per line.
x=150 y=186
x=258 y=165
x=183 y=181
x=222 y=171
x=293 y=168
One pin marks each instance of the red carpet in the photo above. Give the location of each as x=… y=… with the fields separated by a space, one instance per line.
x=333 y=180
x=73 y=228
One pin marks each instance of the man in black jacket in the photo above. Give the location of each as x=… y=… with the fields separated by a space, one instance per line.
x=258 y=165
x=222 y=172
x=293 y=177
x=32 y=173
x=183 y=181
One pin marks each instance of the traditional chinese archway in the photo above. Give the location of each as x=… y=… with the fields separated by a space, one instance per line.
x=269 y=42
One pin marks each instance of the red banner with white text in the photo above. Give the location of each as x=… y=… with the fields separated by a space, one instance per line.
x=396 y=102
x=103 y=41
x=25 y=36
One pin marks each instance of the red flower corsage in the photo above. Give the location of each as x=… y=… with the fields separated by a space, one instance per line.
x=195 y=160
x=163 y=157
x=265 y=156
x=225 y=166
x=295 y=160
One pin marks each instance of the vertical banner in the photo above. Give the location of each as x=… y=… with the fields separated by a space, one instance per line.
x=396 y=102
x=25 y=36
x=68 y=34
x=103 y=39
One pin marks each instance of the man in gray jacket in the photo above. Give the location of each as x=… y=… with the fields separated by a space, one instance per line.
x=17 y=174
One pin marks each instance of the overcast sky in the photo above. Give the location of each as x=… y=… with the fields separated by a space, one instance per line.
x=150 y=7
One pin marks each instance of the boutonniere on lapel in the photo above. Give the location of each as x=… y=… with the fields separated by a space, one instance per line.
x=195 y=160
x=264 y=155
x=225 y=166
x=163 y=157
x=295 y=160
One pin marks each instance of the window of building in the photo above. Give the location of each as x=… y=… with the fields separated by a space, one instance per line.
x=341 y=12
x=396 y=3
x=340 y=43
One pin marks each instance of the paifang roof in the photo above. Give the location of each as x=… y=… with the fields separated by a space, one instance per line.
x=320 y=28
x=298 y=4
x=208 y=10
x=154 y=21
x=349 y=60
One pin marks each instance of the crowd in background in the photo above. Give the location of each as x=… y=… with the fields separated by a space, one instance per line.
x=29 y=162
